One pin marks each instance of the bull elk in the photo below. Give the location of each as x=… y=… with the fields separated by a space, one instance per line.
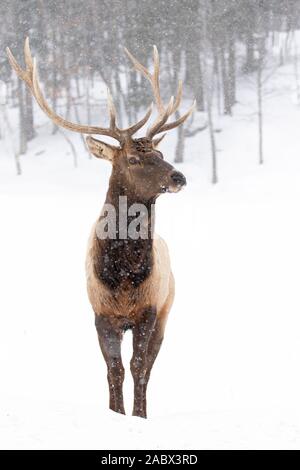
x=129 y=280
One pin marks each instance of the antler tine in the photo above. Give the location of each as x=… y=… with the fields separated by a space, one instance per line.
x=162 y=119
x=178 y=97
x=178 y=122
x=133 y=129
x=130 y=130
x=163 y=113
x=59 y=121
x=155 y=84
x=157 y=141
x=28 y=56
x=19 y=71
x=138 y=65
x=30 y=77
x=153 y=78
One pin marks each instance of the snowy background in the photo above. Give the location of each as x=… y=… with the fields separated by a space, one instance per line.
x=227 y=375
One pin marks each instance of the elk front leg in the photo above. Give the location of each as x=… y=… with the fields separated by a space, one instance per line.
x=141 y=336
x=110 y=343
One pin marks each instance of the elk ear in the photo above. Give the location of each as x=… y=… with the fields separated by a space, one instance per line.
x=101 y=149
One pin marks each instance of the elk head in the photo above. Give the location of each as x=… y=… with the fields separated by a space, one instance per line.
x=137 y=163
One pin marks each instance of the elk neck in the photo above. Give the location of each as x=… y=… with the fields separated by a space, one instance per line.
x=126 y=263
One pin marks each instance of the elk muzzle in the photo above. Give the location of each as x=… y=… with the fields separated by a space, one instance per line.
x=177 y=181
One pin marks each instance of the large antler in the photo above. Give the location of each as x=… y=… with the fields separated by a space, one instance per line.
x=161 y=125
x=30 y=77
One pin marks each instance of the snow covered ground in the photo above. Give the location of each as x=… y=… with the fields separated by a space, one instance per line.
x=228 y=373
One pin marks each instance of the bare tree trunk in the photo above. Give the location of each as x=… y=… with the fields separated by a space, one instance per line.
x=226 y=94
x=77 y=85
x=217 y=78
x=22 y=122
x=208 y=91
x=18 y=163
x=7 y=127
x=281 y=57
x=176 y=59
x=30 y=134
x=68 y=95
x=231 y=70
x=78 y=120
x=87 y=102
x=287 y=43
x=54 y=80
x=217 y=74
x=296 y=70
x=194 y=76
x=199 y=93
x=118 y=97
x=259 y=102
x=133 y=98
x=179 y=152
x=127 y=97
x=249 y=65
x=214 y=178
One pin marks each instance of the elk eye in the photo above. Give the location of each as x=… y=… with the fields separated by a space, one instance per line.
x=133 y=161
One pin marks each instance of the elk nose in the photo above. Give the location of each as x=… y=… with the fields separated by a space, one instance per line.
x=178 y=178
